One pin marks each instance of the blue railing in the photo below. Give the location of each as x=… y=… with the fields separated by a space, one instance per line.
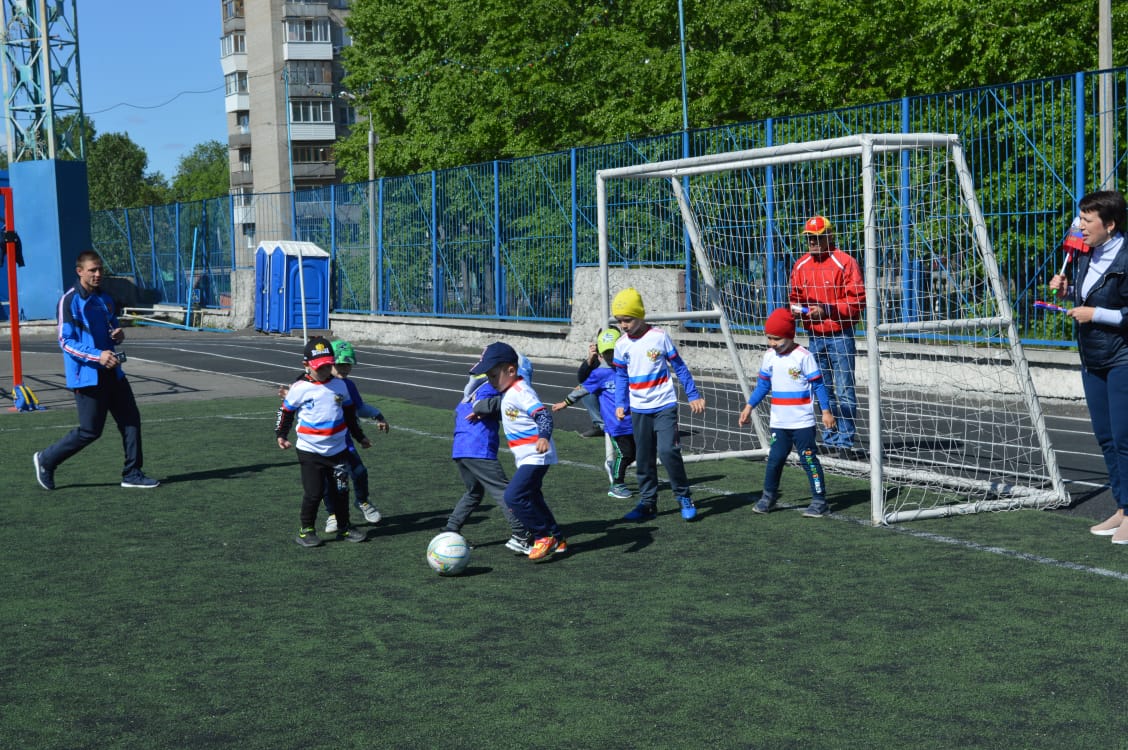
x=502 y=240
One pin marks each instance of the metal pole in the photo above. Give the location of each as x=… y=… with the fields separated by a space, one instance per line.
x=1105 y=103
x=373 y=267
x=681 y=38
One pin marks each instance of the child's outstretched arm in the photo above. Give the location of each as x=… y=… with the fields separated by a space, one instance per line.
x=763 y=388
x=354 y=426
x=577 y=393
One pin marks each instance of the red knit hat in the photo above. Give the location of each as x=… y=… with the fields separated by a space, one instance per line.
x=780 y=323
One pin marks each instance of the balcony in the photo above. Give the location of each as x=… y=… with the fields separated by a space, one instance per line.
x=315 y=171
x=307 y=50
x=242 y=178
x=237 y=102
x=233 y=63
x=243 y=215
x=306 y=9
x=307 y=90
x=238 y=140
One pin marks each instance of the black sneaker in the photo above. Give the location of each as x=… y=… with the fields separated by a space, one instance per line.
x=307 y=537
x=43 y=475
x=139 y=480
x=351 y=534
x=592 y=432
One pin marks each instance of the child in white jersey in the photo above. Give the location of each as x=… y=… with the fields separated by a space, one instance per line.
x=645 y=359
x=325 y=413
x=528 y=431
x=789 y=374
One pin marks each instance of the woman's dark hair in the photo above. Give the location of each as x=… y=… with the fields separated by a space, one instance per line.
x=1109 y=205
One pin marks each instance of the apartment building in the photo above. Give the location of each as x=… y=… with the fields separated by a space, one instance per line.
x=281 y=66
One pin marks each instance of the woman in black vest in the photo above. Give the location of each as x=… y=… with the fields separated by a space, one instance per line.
x=1100 y=297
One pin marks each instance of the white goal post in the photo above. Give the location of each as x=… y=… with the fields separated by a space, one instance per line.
x=948 y=416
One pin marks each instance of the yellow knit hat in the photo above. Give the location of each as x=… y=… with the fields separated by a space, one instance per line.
x=628 y=304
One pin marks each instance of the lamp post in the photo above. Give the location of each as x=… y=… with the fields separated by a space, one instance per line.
x=373 y=287
x=1104 y=95
x=681 y=39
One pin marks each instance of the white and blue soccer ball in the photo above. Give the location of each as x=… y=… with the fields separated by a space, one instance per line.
x=448 y=554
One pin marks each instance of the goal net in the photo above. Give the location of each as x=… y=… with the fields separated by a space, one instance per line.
x=948 y=418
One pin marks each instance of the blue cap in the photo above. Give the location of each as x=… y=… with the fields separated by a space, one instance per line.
x=497 y=353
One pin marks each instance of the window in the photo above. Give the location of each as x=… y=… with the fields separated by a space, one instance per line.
x=312 y=154
x=236 y=83
x=243 y=197
x=311 y=110
x=233 y=44
x=243 y=119
x=307 y=30
x=245 y=159
x=232 y=9
x=305 y=72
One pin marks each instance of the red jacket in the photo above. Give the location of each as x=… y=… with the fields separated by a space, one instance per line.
x=833 y=282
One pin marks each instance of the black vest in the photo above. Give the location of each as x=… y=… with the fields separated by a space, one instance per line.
x=1102 y=346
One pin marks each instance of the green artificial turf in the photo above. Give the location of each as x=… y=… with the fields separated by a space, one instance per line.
x=186 y=617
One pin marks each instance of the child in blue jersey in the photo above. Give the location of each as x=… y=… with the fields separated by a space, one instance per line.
x=528 y=432
x=600 y=382
x=344 y=357
x=325 y=413
x=789 y=374
x=476 y=423
x=644 y=360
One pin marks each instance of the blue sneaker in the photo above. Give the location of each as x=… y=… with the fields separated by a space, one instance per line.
x=688 y=510
x=642 y=512
x=139 y=481
x=43 y=475
x=817 y=509
x=764 y=504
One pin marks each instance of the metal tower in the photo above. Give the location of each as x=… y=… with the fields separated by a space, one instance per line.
x=42 y=93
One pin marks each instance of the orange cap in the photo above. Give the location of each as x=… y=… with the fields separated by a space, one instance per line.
x=818 y=225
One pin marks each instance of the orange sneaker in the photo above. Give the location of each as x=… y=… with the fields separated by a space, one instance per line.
x=1109 y=526
x=546 y=547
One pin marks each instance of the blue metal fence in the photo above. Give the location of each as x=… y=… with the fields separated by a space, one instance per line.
x=501 y=240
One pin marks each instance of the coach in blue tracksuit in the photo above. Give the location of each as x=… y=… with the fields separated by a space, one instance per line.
x=1100 y=296
x=88 y=331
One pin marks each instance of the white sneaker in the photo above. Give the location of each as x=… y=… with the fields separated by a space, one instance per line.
x=370 y=513
x=331 y=525
x=519 y=545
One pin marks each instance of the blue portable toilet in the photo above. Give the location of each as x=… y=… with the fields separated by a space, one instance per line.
x=282 y=271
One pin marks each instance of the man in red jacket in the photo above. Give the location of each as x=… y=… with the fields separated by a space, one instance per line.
x=828 y=293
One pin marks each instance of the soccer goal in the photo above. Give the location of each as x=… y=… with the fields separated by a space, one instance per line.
x=949 y=420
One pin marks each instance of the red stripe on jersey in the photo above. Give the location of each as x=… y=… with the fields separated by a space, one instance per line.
x=790 y=401
x=649 y=383
x=524 y=441
x=322 y=431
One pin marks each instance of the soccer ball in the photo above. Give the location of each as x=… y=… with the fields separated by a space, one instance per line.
x=448 y=554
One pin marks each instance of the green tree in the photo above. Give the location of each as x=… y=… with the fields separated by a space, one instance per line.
x=462 y=82
x=115 y=168
x=204 y=173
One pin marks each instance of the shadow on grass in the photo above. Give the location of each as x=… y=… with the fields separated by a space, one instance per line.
x=411 y=523
x=842 y=500
x=227 y=472
x=719 y=504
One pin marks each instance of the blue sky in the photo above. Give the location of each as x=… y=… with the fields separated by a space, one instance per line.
x=136 y=56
